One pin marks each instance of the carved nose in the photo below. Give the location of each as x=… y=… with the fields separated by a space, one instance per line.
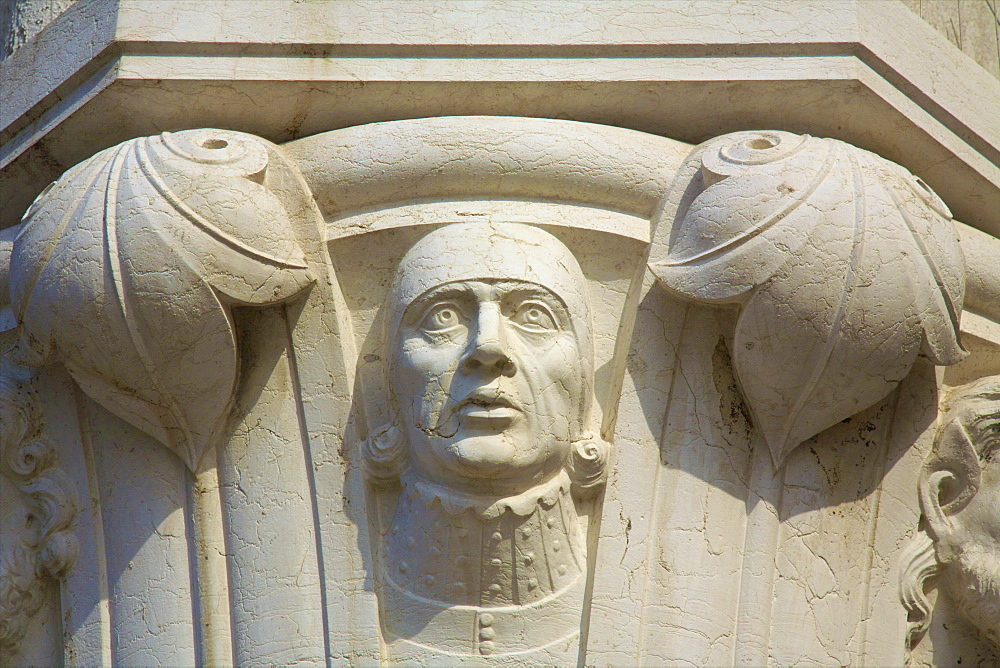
x=489 y=356
x=489 y=352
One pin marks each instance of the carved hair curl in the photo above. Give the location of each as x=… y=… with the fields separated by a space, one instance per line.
x=28 y=460
x=920 y=564
x=385 y=455
x=588 y=465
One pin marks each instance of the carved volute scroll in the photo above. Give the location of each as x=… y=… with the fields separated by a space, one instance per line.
x=844 y=265
x=126 y=269
x=490 y=384
x=955 y=549
x=37 y=540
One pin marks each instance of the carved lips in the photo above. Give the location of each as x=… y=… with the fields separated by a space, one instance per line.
x=488 y=408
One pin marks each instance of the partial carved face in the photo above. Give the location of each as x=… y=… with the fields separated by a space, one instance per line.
x=961 y=499
x=973 y=578
x=972 y=581
x=490 y=371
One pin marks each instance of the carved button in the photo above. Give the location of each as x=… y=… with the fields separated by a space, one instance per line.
x=562 y=569
x=411 y=541
x=532 y=583
x=486 y=647
x=487 y=634
x=435 y=552
x=403 y=567
x=463 y=533
x=429 y=579
x=497 y=535
x=526 y=532
x=462 y=560
x=495 y=588
x=549 y=522
x=556 y=545
x=529 y=558
x=496 y=562
x=486 y=619
x=460 y=586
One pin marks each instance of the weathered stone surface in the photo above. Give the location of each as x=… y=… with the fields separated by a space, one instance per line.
x=357 y=382
x=955 y=552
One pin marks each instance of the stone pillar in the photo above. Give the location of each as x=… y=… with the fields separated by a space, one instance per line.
x=530 y=333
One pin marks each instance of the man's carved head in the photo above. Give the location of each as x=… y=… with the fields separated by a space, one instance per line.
x=960 y=499
x=490 y=357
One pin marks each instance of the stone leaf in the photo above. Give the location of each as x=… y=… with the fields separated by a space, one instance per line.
x=126 y=268
x=845 y=267
x=38 y=511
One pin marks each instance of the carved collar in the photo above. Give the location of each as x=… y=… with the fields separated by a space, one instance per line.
x=460 y=549
x=454 y=502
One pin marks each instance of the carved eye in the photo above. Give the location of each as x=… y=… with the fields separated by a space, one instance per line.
x=991 y=452
x=534 y=317
x=442 y=317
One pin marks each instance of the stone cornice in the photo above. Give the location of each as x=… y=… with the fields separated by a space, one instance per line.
x=838 y=69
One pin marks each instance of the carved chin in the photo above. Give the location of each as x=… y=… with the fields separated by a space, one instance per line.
x=497 y=458
x=973 y=584
x=482 y=456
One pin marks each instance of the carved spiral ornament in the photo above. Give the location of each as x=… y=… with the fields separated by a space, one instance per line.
x=415 y=466
x=46 y=547
x=384 y=455
x=588 y=464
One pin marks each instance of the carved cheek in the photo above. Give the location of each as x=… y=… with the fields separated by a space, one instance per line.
x=424 y=376
x=982 y=515
x=552 y=375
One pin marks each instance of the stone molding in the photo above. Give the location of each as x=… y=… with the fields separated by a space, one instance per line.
x=841 y=57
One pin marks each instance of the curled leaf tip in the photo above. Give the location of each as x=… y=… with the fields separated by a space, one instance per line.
x=845 y=267
x=126 y=268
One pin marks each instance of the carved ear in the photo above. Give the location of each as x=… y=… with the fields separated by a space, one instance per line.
x=950 y=478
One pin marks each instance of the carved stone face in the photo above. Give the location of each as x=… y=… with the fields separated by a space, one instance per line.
x=490 y=371
x=960 y=497
x=972 y=579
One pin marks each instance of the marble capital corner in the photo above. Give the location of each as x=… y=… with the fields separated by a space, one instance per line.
x=127 y=268
x=844 y=266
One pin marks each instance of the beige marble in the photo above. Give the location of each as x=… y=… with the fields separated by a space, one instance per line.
x=971 y=25
x=20 y=21
x=341 y=338
x=955 y=552
x=494 y=445
x=869 y=73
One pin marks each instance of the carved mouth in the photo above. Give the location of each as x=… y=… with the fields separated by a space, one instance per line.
x=487 y=405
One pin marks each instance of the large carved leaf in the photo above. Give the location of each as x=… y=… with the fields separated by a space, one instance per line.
x=127 y=266
x=845 y=266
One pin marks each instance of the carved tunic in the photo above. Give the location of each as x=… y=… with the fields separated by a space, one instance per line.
x=512 y=569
